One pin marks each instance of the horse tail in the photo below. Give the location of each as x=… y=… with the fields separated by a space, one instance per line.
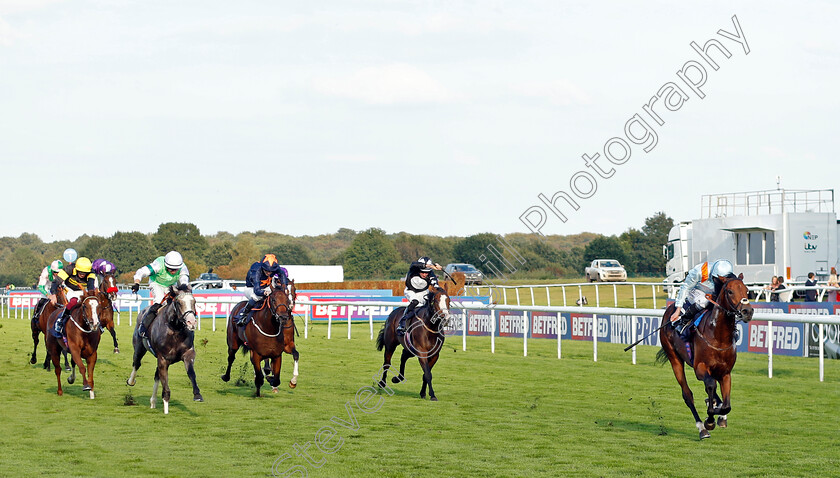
x=244 y=349
x=661 y=357
x=380 y=339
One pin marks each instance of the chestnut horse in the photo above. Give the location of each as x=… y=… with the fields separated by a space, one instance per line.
x=423 y=338
x=108 y=293
x=171 y=338
x=289 y=339
x=83 y=334
x=265 y=336
x=39 y=326
x=713 y=346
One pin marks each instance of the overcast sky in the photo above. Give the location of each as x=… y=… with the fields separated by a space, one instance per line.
x=438 y=117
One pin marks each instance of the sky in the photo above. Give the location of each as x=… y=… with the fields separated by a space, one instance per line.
x=435 y=117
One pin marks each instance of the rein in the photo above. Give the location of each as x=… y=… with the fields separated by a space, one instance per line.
x=77 y=324
x=735 y=313
x=280 y=319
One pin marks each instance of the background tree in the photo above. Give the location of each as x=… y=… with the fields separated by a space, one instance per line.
x=370 y=256
x=220 y=254
x=129 y=251
x=604 y=247
x=472 y=247
x=93 y=248
x=183 y=237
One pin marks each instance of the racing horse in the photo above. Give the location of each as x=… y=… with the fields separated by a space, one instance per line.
x=712 y=348
x=108 y=292
x=83 y=334
x=423 y=338
x=39 y=326
x=265 y=336
x=170 y=339
x=289 y=336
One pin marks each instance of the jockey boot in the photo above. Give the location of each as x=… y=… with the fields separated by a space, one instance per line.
x=58 y=330
x=39 y=308
x=241 y=317
x=687 y=318
x=409 y=311
x=147 y=320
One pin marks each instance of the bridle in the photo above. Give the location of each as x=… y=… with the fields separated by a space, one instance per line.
x=180 y=319
x=729 y=310
x=282 y=320
x=85 y=318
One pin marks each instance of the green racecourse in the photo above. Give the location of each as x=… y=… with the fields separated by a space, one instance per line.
x=499 y=414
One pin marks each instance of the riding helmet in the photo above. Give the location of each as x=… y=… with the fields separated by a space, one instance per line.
x=173 y=260
x=83 y=265
x=721 y=268
x=269 y=263
x=56 y=266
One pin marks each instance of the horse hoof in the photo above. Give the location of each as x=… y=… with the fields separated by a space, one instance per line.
x=721 y=422
x=60 y=393
x=86 y=388
x=92 y=396
x=225 y=378
x=704 y=434
x=129 y=382
x=275 y=390
x=292 y=384
x=32 y=360
x=116 y=350
x=397 y=379
x=709 y=424
x=381 y=384
x=422 y=396
x=71 y=379
x=434 y=399
x=198 y=398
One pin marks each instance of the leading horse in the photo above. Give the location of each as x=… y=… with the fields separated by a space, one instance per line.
x=423 y=338
x=170 y=339
x=83 y=334
x=711 y=351
x=265 y=336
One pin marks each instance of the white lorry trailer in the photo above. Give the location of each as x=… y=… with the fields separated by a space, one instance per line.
x=779 y=232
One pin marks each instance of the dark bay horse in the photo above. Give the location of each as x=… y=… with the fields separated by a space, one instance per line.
x=40 y=327
x=713 y=346
x=108 y=293
x=265 y=336
x=83 y=334
x=423 y=338
x=171 y=336
x=289 y=339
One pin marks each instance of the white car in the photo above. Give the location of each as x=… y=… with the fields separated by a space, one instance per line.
x=217 y=284
x=605 y=270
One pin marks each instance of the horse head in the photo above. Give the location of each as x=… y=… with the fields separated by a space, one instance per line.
x=109 y=286
x=183 y=304
x=439 y=303
x=734 y=300
x=280 y=303
x=90 y=309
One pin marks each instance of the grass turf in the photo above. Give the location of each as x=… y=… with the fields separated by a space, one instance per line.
x=499 y=415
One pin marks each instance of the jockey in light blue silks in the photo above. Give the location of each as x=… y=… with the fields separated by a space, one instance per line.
x=703 y=279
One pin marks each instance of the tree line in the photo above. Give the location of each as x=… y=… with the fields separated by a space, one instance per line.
x=370 y=254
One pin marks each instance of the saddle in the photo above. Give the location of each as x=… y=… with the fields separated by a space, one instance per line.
x=688 y=332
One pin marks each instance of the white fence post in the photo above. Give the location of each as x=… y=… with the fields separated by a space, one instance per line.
x=564 y=295
x=329 y=323
x=559 y=334
x=370 y=319
x=594 y=337
x=615 y=296
x=653 y=290
x=633 y=336
x=548 y=296
x=214 y=317
x=532 y=296
x=769 y=350
x=634 y=296
x=822 y=354
x=464 y=338
x=504 y=295
x=517 y=296
x=349 y=320
x=597 y=296
x=525 y=334
x=492 y=329
x=306 y=322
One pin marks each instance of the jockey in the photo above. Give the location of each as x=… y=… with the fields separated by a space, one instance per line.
x=48 y=274
x=417 y=282
x=75 y=285
x=163 y=272
x=258 y=284
x=701 y=280
x=101 y=268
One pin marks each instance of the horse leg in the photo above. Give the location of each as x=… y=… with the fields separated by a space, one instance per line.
x=114 y=336
x=276 y=364
x=406 y=354
x=47 y=362
x=91 y=362
x=231 y=357
x=189 y=364
x=139 y=352
x=72 y=378
x=79 y=362
x=53 y=355
x=267 y=367
x=432 y=361
x=153 y=398
x=256 y=360
x=679 y=372
x=386 y=364
x=725 y=388
x=233 y=346
x=163 y=373
x=66 y=362
x=711 y=390
x=295 y=356
x=427 y=376
x=36 y=331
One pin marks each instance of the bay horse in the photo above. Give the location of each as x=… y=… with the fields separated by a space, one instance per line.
x=39 y=326
x=83 y=334
x=171 y=337
x=423 y=338
x=108 y=293
x=289 y=339
x=265 y=336
x=713 y=347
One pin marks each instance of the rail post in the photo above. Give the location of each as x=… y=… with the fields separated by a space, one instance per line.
x=492 y=329
x=559 y=334
x=548 y=296
x=329 y=323
x=370 y=320
x=770 y=351
x=525 y=333
x=594 y=337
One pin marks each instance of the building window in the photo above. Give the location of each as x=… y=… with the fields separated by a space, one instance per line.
x=769 y=248
x=741 y=248
x=755 y=248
